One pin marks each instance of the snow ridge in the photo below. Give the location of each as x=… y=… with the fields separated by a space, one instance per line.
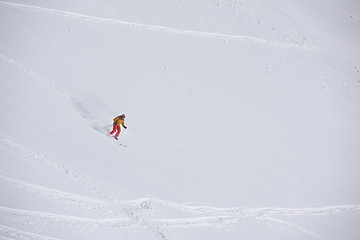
x=88 y=18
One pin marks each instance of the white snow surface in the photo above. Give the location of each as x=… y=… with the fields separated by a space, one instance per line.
x=243 y=119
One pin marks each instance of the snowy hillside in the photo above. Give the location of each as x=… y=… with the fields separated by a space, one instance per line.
x=243 y=119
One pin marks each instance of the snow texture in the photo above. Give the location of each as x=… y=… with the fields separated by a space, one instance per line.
x=243 y=119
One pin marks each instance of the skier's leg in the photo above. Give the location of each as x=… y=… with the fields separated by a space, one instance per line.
x=114 y=129
x=118 y=131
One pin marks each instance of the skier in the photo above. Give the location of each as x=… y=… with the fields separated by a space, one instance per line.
x=116 y=125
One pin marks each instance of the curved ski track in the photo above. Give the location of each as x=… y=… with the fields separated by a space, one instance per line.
x=110 y=213
x=107 y=212
x=12 y=233
x=120 y=215
x=93 y=19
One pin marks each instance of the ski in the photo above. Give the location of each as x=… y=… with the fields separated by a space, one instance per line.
x=121 y=144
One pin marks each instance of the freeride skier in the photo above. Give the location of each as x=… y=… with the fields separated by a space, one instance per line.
x=119 y=120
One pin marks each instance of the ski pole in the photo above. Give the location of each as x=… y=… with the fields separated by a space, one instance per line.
x=122 y=131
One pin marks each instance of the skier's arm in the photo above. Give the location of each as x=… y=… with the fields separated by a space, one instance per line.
x=123 y=123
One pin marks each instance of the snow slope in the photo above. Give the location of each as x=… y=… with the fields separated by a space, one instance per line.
x=243 y=120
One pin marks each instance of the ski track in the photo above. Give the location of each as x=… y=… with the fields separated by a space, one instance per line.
x=93 y=19
x=59 y=168
x=54 y=88
x=37 y=218
x=12 y=233
x=140 y=212
x=88 y=203
x=37 y=77
x=71 y=200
